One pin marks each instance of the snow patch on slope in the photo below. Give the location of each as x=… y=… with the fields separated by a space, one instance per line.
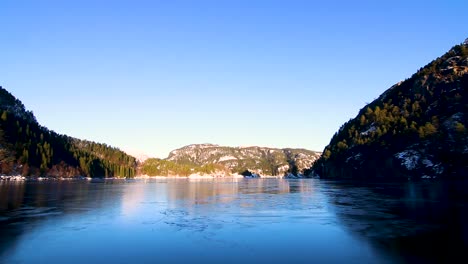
x=409 y=158
x=368 y=131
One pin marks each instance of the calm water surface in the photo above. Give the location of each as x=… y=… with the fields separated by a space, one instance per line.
x=232 y=221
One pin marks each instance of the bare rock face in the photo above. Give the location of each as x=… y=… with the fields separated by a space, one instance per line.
x=259 y=160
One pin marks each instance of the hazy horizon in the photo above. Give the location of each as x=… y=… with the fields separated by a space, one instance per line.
x=156 y=76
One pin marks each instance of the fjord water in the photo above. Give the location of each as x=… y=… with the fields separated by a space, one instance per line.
x=231 y=221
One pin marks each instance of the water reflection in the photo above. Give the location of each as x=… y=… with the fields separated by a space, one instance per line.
x=11 y=195
x=198 y=205
x=234 y=220
x=416 y=222
x=199 y=191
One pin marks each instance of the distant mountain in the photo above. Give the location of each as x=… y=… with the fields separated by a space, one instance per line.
x=209 y=158
x=140 y=156
x=30 y=149
x=417 y=128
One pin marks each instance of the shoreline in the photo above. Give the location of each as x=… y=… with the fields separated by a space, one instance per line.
x=19 y=178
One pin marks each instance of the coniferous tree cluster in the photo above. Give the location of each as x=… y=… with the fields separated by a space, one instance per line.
x=426 y=114
x=30 y=149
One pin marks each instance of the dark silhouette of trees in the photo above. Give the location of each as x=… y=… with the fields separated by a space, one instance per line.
x=31 y=149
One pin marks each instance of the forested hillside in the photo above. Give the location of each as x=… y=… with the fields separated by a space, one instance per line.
x=417 y=128
x=30 y=149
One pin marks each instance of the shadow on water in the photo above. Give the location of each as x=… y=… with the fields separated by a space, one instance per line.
x=414 y=222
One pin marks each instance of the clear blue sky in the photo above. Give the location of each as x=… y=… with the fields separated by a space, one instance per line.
x=158 y=75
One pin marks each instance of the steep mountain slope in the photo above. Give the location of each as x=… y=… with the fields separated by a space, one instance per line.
x=417 y=128
x=208 y=158
x=30 y=149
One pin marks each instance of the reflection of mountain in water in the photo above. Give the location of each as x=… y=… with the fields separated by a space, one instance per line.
x=201 y=191
x=237 y=202
x=410 y=222
x=420 y=222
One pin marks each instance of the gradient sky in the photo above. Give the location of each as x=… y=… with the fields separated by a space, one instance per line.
x=157 y=75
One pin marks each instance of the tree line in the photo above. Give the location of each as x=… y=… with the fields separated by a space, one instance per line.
x=30 y=149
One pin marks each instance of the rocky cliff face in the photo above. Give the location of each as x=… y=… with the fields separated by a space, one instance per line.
x=416 y=129
x=259 y=160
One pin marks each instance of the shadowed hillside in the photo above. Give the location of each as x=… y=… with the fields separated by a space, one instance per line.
x=417 y=128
